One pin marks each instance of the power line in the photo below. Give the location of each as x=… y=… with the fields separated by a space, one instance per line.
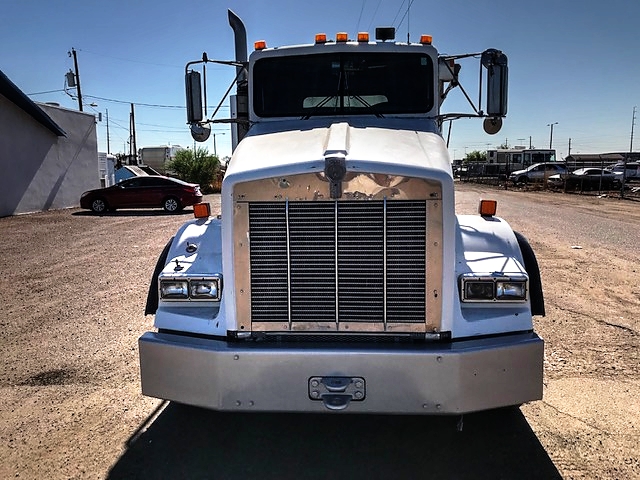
x=398 y=12
x=405 y=13
x=360 y=16
x=153 y=105
x=139 y=104
x=49 y=91
x=159 y=126
x=373 y=17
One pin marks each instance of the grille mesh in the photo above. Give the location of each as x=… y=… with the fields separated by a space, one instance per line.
x=326 y=261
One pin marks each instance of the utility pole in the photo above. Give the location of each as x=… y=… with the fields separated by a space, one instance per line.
x=75 y=65
x=633 y=122
x=626 y=157
x=551 y=134
x=108 y=149
x=569 y=148
x=215 y=152
x=133 y=150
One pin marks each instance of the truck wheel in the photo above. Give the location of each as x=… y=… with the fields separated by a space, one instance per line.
x=171 y=205
x=523 y=179
x=99 y=205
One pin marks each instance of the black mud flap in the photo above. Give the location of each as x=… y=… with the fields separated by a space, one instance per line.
x=535 y=282
x=152 y=295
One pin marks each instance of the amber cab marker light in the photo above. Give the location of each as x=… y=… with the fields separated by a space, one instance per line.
x=342 y=37
x=260 y=45
x=321 y=38
x=201 y=210
x=488 y=208
x=363 y=36
x=426 y=39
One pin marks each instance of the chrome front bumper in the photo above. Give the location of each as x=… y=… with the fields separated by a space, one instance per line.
x=451 y=378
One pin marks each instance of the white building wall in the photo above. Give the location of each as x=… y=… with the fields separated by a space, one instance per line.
x=39 y=170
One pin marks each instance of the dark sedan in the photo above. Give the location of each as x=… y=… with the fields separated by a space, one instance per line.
x=148 y=191
x=588 y=179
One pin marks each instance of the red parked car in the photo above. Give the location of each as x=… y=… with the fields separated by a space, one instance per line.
x=143 y=192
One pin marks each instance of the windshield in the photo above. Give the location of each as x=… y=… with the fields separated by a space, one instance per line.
x=343 y=83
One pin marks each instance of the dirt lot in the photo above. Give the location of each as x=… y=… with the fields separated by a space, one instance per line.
x=73 y=293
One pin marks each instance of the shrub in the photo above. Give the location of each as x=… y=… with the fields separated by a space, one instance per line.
x=201 y=167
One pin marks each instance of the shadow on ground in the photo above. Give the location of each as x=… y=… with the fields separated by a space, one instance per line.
x=187 y=442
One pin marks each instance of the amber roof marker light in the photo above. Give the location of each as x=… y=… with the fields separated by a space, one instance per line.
x=426 y=39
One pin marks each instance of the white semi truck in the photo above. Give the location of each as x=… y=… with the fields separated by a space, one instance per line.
x=339 y=277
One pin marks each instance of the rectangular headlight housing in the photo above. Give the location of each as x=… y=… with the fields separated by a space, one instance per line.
x=479 y=290
x=204 y=289
x=200 y=288
x=493 y=288
x=511 y=290
x=174 y=289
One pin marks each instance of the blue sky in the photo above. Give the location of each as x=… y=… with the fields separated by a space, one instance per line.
x=572 y=62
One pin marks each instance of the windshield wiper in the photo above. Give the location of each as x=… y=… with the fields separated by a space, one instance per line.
x=362 y=103
x=318 y=106
x=368 y=105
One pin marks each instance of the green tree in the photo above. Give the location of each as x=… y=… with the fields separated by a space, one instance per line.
x=475 y=156
x=196 y=167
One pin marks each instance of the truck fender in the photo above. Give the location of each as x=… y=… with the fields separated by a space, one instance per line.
x=535 y=281
x=152 y=295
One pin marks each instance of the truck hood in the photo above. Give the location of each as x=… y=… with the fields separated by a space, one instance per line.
x=408 y=147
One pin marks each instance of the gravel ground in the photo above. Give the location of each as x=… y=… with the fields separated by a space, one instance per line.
x=73 y=292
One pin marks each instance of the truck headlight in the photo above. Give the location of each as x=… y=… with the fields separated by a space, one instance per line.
x=207 y=288
x=493 y=288
x=174 y=289
x=479 y=290
x=511 y=290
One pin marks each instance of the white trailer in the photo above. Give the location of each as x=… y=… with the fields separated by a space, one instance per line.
x=158 y=157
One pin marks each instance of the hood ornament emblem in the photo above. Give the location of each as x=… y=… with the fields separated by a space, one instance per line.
x=335 y=169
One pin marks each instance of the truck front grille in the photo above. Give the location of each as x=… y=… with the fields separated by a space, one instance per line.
x=361 y=262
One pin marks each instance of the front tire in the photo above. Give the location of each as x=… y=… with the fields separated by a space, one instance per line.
x=99 y=205
x=171 y=205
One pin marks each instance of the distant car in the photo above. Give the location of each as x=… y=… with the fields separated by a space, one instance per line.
x=147 y=191
x=538 y=172
x=632 y=170
x=459 y=170
x=588 y=179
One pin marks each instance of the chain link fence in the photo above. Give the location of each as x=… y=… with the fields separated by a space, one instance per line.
x=491 y=174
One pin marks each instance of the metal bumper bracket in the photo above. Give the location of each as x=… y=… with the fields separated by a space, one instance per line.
x=337 y=392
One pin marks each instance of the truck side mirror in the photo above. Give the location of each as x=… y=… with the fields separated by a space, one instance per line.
x=497 y=82
x=194 y=97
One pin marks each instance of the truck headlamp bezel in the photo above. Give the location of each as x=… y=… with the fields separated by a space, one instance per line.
x=197 y=289
x=174 y=289
x=492 y=288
